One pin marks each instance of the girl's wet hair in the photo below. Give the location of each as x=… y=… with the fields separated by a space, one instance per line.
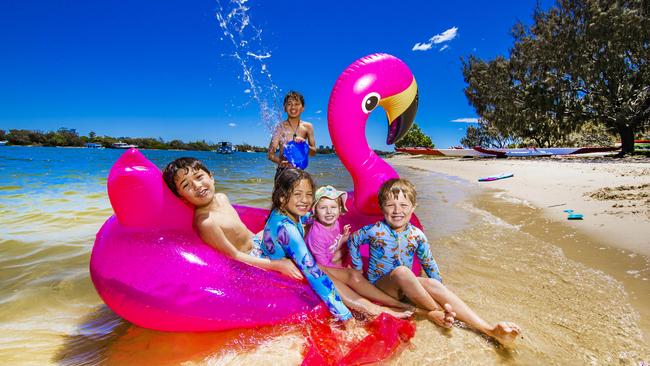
x=187 y=164
x=284 y=185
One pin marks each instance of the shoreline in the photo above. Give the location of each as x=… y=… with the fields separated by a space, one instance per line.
x=613 y=196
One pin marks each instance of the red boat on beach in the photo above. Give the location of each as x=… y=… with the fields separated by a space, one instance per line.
x=456 y=152
x=502 y=153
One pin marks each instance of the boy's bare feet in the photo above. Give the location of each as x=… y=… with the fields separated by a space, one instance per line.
x=505 y=333
x=443 y=318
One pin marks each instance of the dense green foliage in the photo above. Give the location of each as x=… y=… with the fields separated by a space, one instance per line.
x=582 y=61
x=486 y=135
x=70 y=137
x=415 y=138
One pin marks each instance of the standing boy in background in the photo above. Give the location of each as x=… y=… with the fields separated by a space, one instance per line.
x=291 y=129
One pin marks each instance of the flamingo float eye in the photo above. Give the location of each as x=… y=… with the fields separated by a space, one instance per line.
x=370 y=101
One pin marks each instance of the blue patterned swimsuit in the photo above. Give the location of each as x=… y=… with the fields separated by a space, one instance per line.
x=390 y=249
x=283 y=238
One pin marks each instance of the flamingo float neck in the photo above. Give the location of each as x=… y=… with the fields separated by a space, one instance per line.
x=378 y=79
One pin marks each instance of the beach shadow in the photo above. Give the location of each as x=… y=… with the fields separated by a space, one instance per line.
x=96 y=332
x=103 y=338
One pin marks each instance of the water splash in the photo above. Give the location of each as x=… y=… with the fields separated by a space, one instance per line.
x=251 y=54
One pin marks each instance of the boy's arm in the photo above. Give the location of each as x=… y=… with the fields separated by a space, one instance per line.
x=311 y=140
x=355 y=241
x=212 y=234
x=294 y=246
x=429 y=264
x=274 y=146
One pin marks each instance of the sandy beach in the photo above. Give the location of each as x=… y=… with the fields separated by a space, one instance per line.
x=613 y=196
x=611 y=241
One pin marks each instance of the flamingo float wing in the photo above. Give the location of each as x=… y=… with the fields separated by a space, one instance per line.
x=152 y=269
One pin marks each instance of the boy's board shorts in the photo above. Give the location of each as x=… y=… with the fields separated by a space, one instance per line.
x=257 y=245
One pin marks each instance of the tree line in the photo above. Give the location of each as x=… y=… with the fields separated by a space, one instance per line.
x=581 y=68
x=415 y=138
x=69 y=137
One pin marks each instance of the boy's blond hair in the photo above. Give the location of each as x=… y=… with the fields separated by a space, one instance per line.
x=394 y=187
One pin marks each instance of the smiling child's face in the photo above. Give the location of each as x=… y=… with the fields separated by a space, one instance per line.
x=294 y=108
x=327 y=211
x=397 y=211
x=195 y=186
x=300 y=199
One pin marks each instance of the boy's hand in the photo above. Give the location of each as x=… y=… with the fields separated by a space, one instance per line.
x=287 y=268
x=284 y=164
x=299 y=139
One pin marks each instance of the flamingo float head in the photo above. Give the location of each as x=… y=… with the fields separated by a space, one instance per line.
x=375 y=80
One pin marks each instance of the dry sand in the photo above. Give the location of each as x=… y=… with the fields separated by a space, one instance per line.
x=613 y=195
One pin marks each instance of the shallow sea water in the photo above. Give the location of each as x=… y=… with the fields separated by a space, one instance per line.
x=52 y=202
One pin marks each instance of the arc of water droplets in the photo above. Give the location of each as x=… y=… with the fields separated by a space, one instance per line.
x=244 y=36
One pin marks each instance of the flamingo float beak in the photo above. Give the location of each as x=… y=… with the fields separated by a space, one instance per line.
x=400 y=110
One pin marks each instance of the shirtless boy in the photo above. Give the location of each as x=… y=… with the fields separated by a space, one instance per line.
x=216 y=220
x=291 y=129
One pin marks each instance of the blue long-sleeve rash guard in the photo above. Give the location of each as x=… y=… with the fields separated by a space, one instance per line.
x=283 y=238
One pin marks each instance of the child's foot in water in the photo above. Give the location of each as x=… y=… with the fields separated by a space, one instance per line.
x=444 y=317
x=400 y=314
x=505 y=333
x=374 y=310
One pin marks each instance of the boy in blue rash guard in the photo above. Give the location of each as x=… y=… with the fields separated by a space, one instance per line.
x=283 y=235
x=390 y=249
x=393 y=243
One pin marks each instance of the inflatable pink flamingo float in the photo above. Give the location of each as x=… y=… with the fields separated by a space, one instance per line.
x=375 y=80
x=152 y=269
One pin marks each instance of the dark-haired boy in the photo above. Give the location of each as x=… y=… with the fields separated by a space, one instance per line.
x=216 y=220
x=291 y=129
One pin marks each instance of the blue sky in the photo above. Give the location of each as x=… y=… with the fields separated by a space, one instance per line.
x=166 y=69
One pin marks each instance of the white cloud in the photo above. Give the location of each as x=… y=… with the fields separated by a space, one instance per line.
x=318 y=111
x=465 y=120
x=444 y=47
x=445 y=36
x=232 y=124
x=421 y=47
x=247 y=91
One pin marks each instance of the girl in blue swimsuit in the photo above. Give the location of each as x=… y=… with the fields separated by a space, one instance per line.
x=283 y=235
